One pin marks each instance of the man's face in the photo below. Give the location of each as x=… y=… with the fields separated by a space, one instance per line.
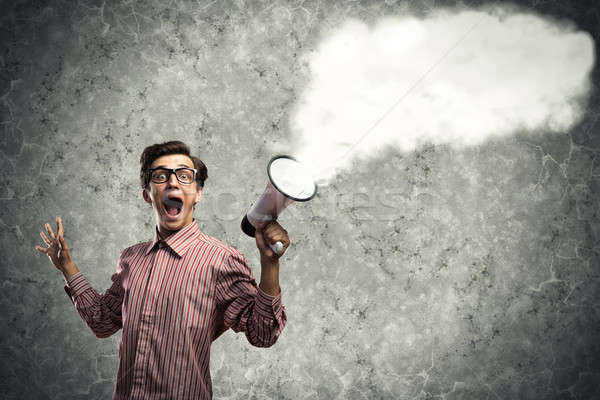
x=163 y=195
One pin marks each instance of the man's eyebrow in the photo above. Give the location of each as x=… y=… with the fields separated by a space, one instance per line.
x=179 y=165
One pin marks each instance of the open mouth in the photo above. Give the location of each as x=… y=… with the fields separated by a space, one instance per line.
x=173 y=207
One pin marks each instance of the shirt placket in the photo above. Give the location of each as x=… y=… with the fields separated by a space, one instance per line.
x=147 y=320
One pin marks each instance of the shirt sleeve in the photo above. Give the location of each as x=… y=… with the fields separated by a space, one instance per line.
x=245 y=307
x=101 y=312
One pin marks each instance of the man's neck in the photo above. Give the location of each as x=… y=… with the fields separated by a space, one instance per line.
x=164 y=233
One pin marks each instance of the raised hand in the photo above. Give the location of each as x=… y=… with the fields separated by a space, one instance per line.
x=270 y=232
x=58 y=251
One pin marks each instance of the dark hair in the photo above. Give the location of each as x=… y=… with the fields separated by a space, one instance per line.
x=155 y=151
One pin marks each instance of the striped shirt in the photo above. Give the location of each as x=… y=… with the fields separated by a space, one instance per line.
x=172 y=298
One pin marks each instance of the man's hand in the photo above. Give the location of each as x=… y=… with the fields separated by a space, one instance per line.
x=270 y=232
x=58 y=251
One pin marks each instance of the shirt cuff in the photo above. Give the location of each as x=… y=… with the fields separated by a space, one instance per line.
x=270 y=306
x=76 y=285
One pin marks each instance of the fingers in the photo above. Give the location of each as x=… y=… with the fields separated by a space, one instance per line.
x=260 y=242
x=275 y=232
x=45 y=238
x=50 y=231
x=269 y=233
x=54 y=238
x=60 y=226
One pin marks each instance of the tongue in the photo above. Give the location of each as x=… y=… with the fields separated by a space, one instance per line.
x=172 y=211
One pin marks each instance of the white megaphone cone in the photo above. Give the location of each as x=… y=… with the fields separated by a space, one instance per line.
x=289 y=181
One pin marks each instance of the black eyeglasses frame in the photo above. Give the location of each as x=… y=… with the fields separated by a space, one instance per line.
x=172 y=171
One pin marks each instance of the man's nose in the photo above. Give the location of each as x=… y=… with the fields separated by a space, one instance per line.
x=173 y=181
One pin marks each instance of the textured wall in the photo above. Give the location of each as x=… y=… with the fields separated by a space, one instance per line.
x=456 y=274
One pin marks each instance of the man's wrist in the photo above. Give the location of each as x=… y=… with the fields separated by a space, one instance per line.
x=269 y=263
x=270 y=290
x=70 y=270
x=269 y=276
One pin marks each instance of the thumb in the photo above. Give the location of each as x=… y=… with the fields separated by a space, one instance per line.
x=260 y=240
x=262 y=244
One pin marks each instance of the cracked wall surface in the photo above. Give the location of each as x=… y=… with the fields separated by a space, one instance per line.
x=440 y=273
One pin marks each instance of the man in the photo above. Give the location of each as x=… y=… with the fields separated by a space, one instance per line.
x=174 y=295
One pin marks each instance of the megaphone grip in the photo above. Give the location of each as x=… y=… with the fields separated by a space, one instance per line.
x=276 y=247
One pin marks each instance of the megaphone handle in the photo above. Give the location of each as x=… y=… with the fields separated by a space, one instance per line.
x=276 y=247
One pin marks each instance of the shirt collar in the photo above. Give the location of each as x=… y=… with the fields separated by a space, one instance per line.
x=178 y=241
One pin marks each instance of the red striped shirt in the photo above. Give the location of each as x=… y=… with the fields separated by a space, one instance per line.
x=172 y=298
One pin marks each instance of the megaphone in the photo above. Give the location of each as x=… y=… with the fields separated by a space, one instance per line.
x=289 y=181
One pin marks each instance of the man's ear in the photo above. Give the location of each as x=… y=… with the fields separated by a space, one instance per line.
x=146 y=196
x=199 y=194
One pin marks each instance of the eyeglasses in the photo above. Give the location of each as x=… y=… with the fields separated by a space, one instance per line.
x=184 y=175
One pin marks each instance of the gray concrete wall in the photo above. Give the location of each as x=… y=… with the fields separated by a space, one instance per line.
x=456 y=274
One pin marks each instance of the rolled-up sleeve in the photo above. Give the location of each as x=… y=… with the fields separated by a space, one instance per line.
x=101 y=312
x=245 y=307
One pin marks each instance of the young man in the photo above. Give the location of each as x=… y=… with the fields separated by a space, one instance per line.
x=176 y=294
